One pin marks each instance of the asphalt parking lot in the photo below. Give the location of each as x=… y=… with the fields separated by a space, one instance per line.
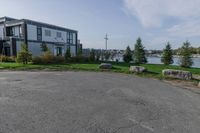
x=89 y=102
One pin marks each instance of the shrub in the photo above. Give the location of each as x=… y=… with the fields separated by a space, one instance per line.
x=92 y=55
x=37 y=60
x=80 y=52
x=48 y=58
x=127 y=57
x=44 y=47
x=67 y=54
x=79 y=59
x=7 y=58
x=24 y=56
x=58 y=60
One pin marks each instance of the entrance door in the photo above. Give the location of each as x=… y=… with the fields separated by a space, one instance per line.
x=59 y=51
x=7 y=51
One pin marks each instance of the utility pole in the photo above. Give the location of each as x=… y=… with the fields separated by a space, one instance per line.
x=106 y=39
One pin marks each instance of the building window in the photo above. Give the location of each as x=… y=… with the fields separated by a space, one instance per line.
x=74 y=38
x=47 y=33
x=15 y=31
x=39 y=30
x=70 y=38
x=39 y=34
x=12 y=31
x=20 y=31
x=59 y=34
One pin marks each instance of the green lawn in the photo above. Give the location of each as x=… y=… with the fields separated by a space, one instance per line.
x=154 y=70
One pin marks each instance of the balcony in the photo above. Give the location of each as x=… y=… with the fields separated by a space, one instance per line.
x=4 y=38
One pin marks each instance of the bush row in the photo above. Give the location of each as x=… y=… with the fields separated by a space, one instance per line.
x=80 y=59
x=48 y=58
x=7 y=58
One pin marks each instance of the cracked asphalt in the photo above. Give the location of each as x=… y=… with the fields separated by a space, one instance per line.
x=89 y=102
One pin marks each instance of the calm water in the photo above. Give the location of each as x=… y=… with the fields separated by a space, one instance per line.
x=156 y=60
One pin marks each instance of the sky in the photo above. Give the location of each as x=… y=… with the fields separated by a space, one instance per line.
x=155 y=21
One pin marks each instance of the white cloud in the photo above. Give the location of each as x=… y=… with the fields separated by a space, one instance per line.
x=167 y=20
x=185 y=29
x=152 y=13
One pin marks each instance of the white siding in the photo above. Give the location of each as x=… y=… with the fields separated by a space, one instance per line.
x=18 y=45
x=73 y=50
x=53 y=37
x=1 y=31
x=34 y=48
x=32 y=32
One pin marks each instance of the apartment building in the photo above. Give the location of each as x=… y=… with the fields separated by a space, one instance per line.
x=13 y=32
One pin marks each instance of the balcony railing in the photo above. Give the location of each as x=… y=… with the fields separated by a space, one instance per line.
x=7 y=38
x=4 y=38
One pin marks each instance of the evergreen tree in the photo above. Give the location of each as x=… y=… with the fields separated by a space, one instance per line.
x=68 y=54
x=127 y=57
x=186 y=55
x=102 y=56
x=92 y=55
x=23 y=55
x=139 y=53
x=98 y=56
x=79 y=53
x=44 y=47
x=112 y=55
x=107 y=55
x=167 y=56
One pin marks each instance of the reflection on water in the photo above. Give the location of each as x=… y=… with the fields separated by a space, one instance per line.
x=156 y=60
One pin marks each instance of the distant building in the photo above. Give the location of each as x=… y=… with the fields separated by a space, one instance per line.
x=13 y=32
x=86 y=52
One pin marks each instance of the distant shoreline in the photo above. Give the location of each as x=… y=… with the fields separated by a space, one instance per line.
x=176 y=56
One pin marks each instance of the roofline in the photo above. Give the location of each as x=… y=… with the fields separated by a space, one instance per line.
x=8 y=18
x=28 y=21
x=14 y=22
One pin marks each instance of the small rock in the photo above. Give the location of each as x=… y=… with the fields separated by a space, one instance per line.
x=137 y=69
x=185 y=75
x=105 y=66
x=199 y=85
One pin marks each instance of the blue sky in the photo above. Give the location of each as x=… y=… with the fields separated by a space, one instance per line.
x=155 y=21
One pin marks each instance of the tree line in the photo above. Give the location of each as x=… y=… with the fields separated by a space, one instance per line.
x=138 y=55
